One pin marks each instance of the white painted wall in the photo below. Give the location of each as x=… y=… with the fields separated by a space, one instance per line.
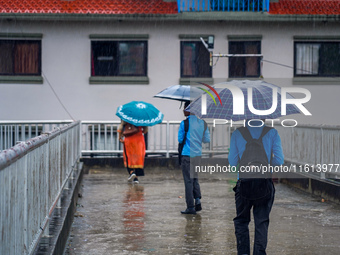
x=66 y=66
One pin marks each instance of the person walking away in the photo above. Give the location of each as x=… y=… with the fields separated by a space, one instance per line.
x=133 y=141
x=192 y=132
x=254 y=193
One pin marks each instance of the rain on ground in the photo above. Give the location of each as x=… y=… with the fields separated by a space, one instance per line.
x=115 y=217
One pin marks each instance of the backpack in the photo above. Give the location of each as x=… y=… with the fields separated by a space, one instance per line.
x=181 y=145
x=254 y=186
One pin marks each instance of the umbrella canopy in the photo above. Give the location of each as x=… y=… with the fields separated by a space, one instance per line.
x=180 y=93
x=140 y=113
x=262 y=99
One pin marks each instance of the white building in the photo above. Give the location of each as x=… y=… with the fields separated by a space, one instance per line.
x=82 y=59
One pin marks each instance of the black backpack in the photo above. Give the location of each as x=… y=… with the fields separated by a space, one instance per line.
x=181 y=145
x=254 y=184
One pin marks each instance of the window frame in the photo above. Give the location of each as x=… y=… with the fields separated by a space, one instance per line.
x=23 y=78
x=116 y=43
x=15 y=42
x=320 y=58
x=244 y=42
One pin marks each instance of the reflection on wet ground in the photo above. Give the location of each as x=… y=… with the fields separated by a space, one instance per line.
x=133 y=217
x=114 y=217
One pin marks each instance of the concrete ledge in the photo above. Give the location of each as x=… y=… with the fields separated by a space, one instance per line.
x=215 y=16
x=25 y=79
x=327 y=189
x=117 y=163
x=106 y=80
x=150 y=162
x=55 y=239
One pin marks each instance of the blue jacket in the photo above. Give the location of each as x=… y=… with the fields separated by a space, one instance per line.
x=271 y=143
x=195 y=136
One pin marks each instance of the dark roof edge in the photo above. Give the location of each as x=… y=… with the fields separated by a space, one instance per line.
x=186 y=16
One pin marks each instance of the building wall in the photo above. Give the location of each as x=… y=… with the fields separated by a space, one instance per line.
x=66 y=67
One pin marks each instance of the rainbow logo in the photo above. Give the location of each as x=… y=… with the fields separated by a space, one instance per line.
x=209 y=93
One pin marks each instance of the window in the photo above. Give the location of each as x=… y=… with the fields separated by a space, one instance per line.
x=119 y=58
x=20 y=57
x=240 y=67
x=317 y=59
x=195 y=60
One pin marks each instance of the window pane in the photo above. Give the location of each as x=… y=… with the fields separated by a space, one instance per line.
x=189 y=56
x=236 y=64
x=244 y=66
x=252 y=63
x=103 y=58
x=195 y=60
x=307 y=59
x=330 y=59
x=132 y=58
x=203 y=61
x=6 y=60
x=26 y=57
x=19 y=57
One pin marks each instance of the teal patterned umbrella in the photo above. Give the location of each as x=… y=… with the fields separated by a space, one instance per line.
x=140 y=113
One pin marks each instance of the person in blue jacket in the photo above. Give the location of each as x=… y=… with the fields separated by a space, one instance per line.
x=191 y=156
x=273 y=148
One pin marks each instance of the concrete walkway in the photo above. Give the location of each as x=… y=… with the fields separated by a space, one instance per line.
x=114 y=217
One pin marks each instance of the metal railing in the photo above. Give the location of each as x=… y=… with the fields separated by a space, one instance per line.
x=32 y=176
x=34 y=173
x=12 y=132
x=315 y=148
x=306 y=144
x=223 y=5
x=100 y=138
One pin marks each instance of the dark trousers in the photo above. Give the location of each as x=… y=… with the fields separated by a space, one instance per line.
x=138 y=171
x=190 y=177
x=261 y=221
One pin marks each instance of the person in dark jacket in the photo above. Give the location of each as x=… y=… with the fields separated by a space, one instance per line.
x=273 y=148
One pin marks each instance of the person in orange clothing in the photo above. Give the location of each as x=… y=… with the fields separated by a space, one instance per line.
x=134 y=149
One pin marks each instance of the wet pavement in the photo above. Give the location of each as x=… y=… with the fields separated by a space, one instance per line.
x=115 y=217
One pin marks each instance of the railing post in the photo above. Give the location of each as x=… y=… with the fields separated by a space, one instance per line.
x=47 y=160
x=25 y=166
x=322 y=174
x=167 y=139
x=1 y=138
x=211 y=139
x=292 y=145
x=67 y=171
x=160 y=137
x=80 y=139
x=59 y=165
x=10 y=130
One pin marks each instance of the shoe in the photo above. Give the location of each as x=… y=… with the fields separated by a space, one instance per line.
x=135 y=180
x=132 y=175
x=189 y=211
x=198 y=205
